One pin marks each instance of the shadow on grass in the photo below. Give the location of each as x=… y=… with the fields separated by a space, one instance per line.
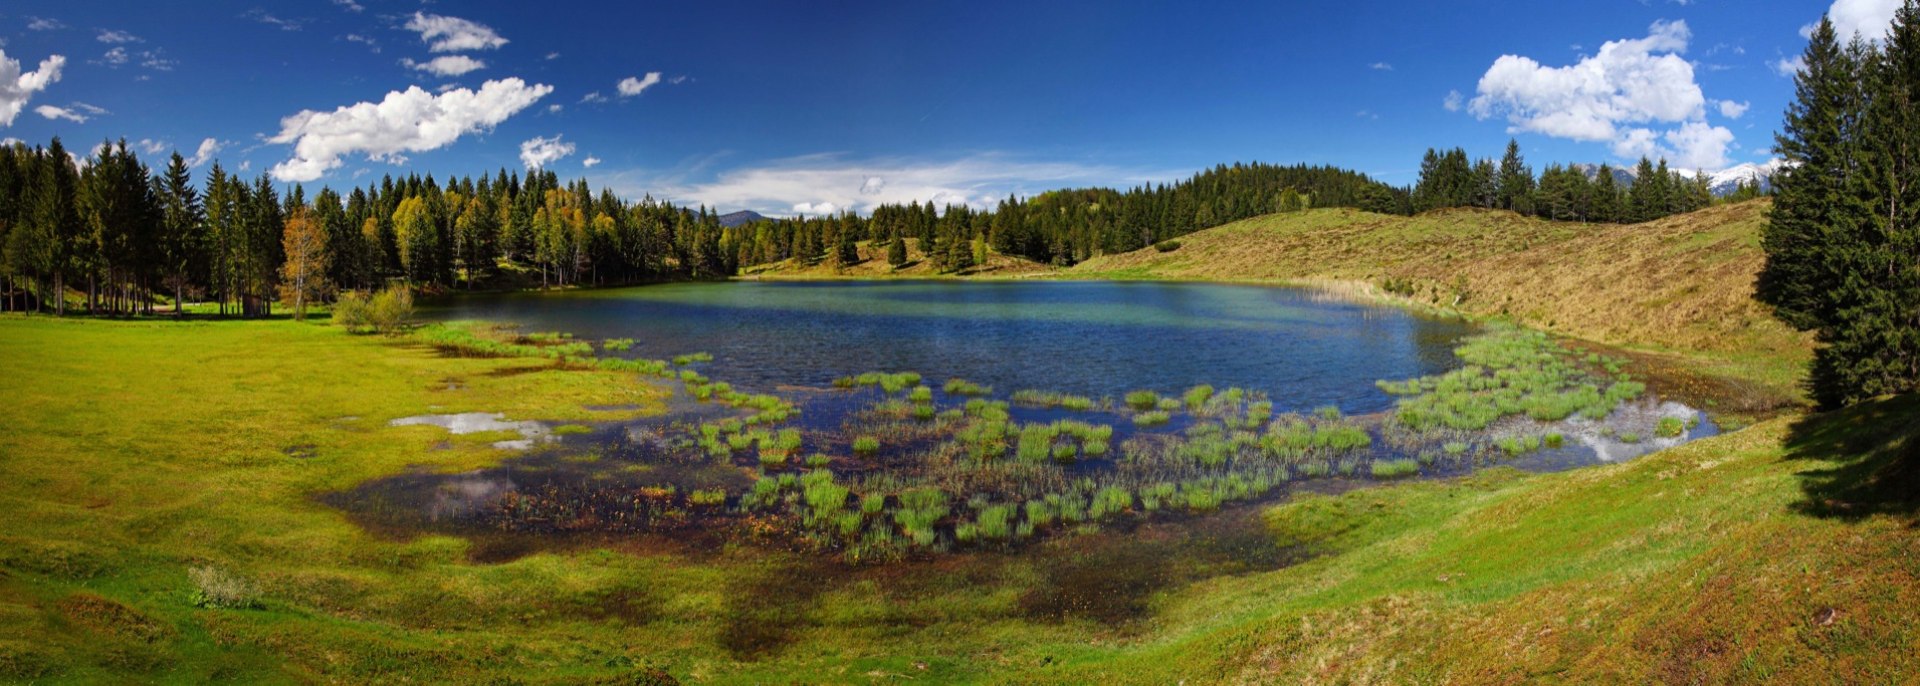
x=1874 y=455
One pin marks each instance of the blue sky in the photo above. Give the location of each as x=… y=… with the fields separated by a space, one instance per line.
x=813 y=107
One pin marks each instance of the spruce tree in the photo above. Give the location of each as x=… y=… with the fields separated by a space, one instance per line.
x=1516 y=181
x=1807 y=188
x=897 y=251
x=183 y=241
x=1843 y=242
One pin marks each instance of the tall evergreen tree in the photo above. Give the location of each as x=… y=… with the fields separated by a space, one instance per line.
x=1843 y=242
x=183 y=240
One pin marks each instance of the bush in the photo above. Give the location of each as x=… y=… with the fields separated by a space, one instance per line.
x=866 y=445
x=1167 y=246
x=1669 y=427
x=352 y=312
x=391 y=309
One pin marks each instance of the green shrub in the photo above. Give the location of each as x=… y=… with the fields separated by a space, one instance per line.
x=391 y=310
x=1669 y=427
x=1143 y=400
x=866 y=445
x=1167 y=246
x=352 y=312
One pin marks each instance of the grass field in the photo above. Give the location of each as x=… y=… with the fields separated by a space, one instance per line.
x=138 y=453
x=1681 y=285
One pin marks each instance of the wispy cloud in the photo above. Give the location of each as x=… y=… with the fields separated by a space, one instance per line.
x=269 y=19
x=453 y=34
x=446 y=65
x=631 y=86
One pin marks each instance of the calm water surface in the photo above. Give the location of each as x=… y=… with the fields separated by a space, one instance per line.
x=1088 y=338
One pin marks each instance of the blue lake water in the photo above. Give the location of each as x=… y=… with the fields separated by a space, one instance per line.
x=1087 y=338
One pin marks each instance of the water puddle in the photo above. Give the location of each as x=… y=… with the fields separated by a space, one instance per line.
x=531 y=432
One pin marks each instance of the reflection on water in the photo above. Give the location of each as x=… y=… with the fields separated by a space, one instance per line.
x=531 y=432
x=1087 y=338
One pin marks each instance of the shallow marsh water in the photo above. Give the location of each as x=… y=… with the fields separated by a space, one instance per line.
x=624 y=484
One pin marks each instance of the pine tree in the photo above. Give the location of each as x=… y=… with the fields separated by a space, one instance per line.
x=1811 y=141
x=1843 y=242
x=183 y=241
x=897 y=251
x=1516 y=180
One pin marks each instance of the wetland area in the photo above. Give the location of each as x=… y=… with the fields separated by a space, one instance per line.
x=1101 y=439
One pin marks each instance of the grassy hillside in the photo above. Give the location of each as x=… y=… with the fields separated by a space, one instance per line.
x=143 y=458
x=873 y=265
x=1682 y=284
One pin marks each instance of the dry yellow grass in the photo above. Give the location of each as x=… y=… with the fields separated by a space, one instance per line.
x=1682 y=284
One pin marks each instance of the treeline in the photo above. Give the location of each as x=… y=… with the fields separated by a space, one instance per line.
x=1067 y=226
x=109 y=226
x=1843 y=241
x=1561 y=192
x=126 y=236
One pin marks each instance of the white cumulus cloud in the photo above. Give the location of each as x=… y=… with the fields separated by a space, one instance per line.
x=453 y=34
x=150 y=146
x=1870 y=19
x=117 y=36
x=631 y=86
x=589 y=162
x=446 y=65
x=1627 y=81
x=45 y=24
x=17 y=87
x=540 y=152
x=1617 y=95
x=1731 y=109
x=412 y=120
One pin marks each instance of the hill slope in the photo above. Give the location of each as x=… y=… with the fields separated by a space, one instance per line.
x=1681 y=284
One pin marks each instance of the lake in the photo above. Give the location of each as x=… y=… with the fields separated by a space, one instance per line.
x=1303 y=349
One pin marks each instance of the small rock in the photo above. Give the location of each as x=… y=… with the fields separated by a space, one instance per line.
x=1825 y=617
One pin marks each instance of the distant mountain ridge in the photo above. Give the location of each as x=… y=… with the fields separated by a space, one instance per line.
x=1723 y=183
x=733 y=219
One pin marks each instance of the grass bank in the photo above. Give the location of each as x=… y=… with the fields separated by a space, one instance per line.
x=160 y=480
x=1681 y=286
